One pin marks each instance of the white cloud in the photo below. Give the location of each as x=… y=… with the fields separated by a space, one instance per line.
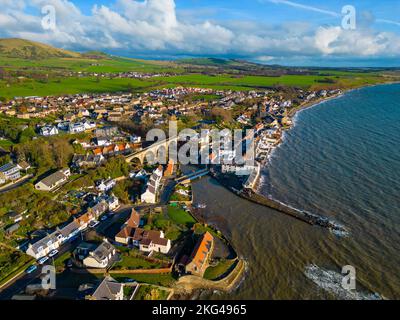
x=152 y=26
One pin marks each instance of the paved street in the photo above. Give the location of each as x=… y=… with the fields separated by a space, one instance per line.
x=19 y=284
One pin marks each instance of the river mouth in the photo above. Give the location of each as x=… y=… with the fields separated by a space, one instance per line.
x=335 y=161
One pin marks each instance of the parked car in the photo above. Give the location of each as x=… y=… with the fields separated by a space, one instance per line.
x=94 y=224
x=53 y=253
x=43 y=260
x=31 y=269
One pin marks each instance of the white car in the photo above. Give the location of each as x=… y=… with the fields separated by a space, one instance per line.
x=53 y=253
x=43 y=260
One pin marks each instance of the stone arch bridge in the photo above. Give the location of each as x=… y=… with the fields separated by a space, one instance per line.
x=154 y=149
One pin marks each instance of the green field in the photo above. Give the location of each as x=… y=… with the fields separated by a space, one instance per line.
x=180 y=216
x=215 y=272
x=164 y=280
x=74 y=85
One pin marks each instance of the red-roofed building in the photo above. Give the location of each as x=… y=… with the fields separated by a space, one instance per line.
x=200 y=258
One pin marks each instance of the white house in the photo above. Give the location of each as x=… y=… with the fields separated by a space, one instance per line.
x=48 y=131
x=106 y=185
x=54 y=180
x=76 y=128
x=150 y=196
x=101 y=257
x=113 y=203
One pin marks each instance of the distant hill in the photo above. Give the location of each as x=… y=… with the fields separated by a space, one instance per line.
x=26 y=49
x=95 y=55
x=206 y=61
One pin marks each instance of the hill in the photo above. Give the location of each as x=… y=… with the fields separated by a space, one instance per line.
x=26 y=49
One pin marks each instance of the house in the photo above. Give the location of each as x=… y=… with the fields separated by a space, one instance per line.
x=109 y=289
x=199 y=260
x=48 y=131
x=99 y=208
x=101 y=257
x=15 y=216
x=44 y=246
x=135 y=139
x=113 y=203
x=102 y=141
x=87 y=161
x=76 y=128
x=9 y=171
x=106 y=185
x=23 y=165
x=145 y=240
x=153 y=186
x=11 y=229
x=84 y=220
x=106 y=132
x=53 y=181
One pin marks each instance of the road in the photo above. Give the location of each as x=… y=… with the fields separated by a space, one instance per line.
x=16 y=185
x=19 y=284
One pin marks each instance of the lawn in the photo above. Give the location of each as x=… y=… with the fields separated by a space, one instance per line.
x=130 y=262
x=164 y=280
x=180 y=216
x=146 y=292
x=215 y=272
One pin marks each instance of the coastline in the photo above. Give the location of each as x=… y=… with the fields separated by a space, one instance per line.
x=250 y=192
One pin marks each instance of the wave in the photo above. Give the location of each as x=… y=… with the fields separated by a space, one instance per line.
x=331 y=281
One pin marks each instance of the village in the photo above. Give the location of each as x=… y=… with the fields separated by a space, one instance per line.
x=128 y=230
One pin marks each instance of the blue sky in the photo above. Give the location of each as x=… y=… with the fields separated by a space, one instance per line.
x=303 y=32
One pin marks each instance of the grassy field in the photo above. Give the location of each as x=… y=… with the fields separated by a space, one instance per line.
x=130 y=262
x=180 y=216
x=215 y=272
x=73 y=85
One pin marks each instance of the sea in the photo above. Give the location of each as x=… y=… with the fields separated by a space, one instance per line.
x=341 y=159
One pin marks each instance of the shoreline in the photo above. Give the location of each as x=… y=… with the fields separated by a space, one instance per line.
x=252 y=194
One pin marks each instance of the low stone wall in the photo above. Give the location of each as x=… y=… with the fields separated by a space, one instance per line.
x=136 y=271
x=188 y=284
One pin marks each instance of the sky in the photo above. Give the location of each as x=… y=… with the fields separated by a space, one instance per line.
x=298 y=32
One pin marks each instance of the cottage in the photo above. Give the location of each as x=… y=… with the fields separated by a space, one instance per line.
x=100 y=257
